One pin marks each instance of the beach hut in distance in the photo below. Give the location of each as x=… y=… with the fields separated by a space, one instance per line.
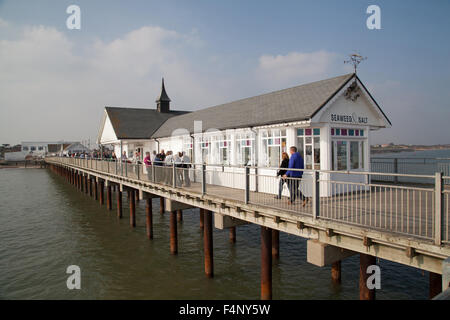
x=329 y=121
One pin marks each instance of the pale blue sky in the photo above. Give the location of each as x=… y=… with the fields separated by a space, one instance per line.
x=212 y=52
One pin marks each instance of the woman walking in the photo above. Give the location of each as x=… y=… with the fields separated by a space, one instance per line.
x=281 y=173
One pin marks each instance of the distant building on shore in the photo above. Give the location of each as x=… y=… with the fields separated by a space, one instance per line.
x=37 y=149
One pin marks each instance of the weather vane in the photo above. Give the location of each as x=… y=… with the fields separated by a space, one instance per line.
x=355 y=60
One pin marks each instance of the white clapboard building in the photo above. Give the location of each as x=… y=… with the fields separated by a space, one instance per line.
x=329 y=121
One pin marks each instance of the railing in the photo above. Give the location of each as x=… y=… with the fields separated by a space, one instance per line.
x=409 y=165
x=349 y=197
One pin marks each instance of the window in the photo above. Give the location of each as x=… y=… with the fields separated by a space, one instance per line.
x=308 y=145
x=341 y=147
x=32 y=148
x=222 y=149
x=24 y=148
x=187 y=148
x=245 y=148
x=354 y=154
x=347 y=155
x=40 y=148
x=205 y=145
x=274 y=144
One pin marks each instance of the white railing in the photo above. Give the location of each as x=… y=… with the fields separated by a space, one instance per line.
x=347 y=197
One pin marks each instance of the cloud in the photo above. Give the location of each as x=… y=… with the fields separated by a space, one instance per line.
x=297 y=67
x=3 y=23
x=50 y=88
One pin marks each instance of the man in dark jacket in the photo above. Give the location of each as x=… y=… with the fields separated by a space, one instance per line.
x=294 y=176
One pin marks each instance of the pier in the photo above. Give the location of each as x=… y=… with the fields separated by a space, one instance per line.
x=406 y=224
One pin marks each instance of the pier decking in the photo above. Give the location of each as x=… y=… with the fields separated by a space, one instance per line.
x=401 y=223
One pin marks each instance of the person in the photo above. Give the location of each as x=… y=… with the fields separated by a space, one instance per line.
x=168 y=176
x=186 y=164
x=179 y=168
x=295 y=176
x=157 y=162
x=281 y=173
x=148 y=163
x=153 y=156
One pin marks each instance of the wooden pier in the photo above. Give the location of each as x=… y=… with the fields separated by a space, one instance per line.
x=407 y=225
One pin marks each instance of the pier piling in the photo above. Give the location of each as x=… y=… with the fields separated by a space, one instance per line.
x=208 y=243
x=275 y=244
x=365 y=261
x=108 y=197
x=232 y=234
x=95 y=189
x=119 y=203
x=336 y=272
x=173 y=232
x=132 y=202
x=101 y=191
x=435 y=284
x=149 y=218
x=202 y=218
x=180 y=215
x=266 y=263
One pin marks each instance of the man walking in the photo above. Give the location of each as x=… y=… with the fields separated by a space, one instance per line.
x=294 y=176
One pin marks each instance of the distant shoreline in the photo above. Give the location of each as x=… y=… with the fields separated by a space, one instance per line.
x=398 y=149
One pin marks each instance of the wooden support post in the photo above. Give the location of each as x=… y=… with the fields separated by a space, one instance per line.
x=119 y=204
x=132 y=202
x=86 y=190
x=232 y=235
x=101 y=191
x=149 y=218
x=275 y=244
x=365 y=261
x=435 y=284
x=180 y=215
x=81 y=182
x=336 y=272
x=173 y=232
x=266 y=263
x=95 y=190
x=161 y=205
x=202 y=218
x=108 y=197
x=208 y=243
x=90 y=186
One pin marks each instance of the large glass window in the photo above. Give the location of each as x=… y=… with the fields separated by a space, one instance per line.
x=341 y=157
x=245 y=142
x=347 y=155
x=222 y=148
x=205 y=146
x=187 y=148
x=354 y=154
x=308 y=145
x=274 y=144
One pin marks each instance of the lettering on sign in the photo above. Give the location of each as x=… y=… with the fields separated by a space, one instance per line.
x=349 y=118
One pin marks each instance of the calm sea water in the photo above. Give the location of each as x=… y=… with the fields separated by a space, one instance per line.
x=47 y=225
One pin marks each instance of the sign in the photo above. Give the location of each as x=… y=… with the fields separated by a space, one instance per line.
x=352 y=118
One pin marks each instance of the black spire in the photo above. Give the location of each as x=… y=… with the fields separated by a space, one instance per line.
x=163 y=102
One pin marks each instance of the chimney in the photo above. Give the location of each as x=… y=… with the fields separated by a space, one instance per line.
x=163 y=102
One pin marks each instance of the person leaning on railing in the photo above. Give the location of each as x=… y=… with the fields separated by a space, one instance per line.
x=294 y=176
x=148 y=164
x=281 y=173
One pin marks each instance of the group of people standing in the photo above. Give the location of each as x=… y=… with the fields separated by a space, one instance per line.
x=164 y=162
x=291 y=177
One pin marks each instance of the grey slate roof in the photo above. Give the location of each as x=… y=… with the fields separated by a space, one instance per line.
x=133 y=123
x=293 y=104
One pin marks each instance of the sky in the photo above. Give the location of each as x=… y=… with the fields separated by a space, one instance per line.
x=55 y=82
